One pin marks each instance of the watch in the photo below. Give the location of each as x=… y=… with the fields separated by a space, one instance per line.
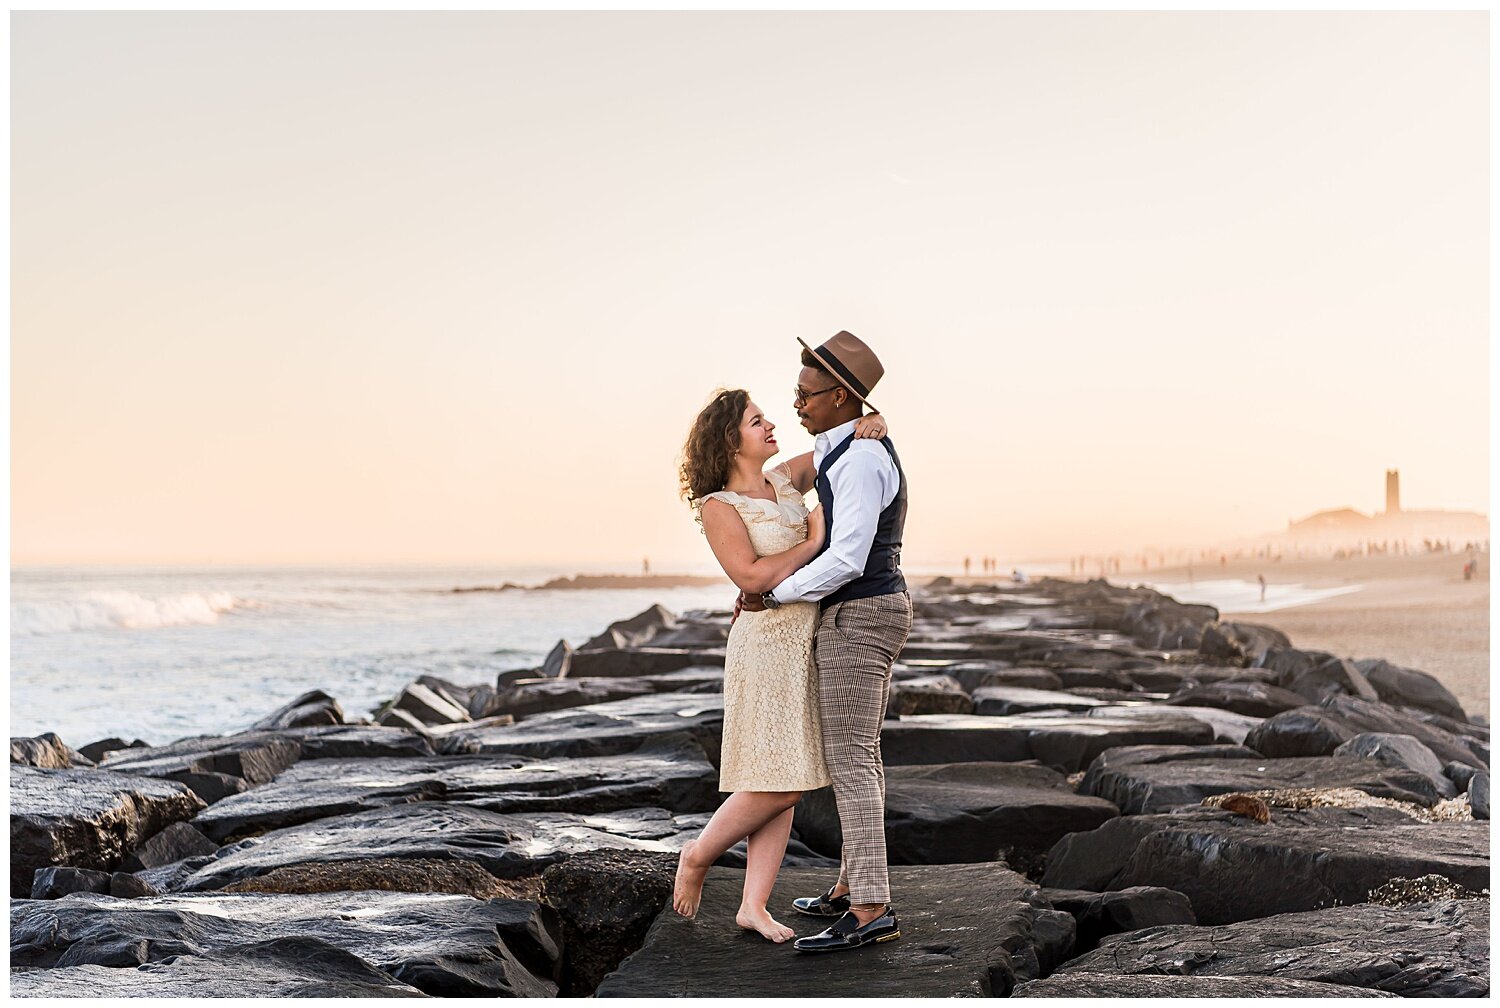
x=769 y=600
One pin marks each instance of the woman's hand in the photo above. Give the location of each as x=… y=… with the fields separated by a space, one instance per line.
x=817 y=528
x=871 y=425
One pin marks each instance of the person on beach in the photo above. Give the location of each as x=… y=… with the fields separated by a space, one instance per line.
x=760 y=531
x=864 y=618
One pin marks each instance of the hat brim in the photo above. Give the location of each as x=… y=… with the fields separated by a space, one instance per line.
x=834 y=372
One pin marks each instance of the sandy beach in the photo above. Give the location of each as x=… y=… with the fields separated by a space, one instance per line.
x=1416 y=611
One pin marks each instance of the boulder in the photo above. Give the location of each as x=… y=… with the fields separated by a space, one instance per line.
x=967 y=930
x=1141 y=786
x=47 y=751
x=963 y=813
x=670 y=772
x=311 y=708
x=1317 y=675
x=1171 y=985
x=974 y=675
x=605 y=729
x=635 y=631
x=556 y=664
x=1459 y=773
x=124 y=885
x=281 y=967
x=254 y=757
x=428 y=706
x=1228 y=727
x=1099 y=915
x=52 y=883
x=506 y=846
x=179 y=840
x=603 y=902
x=85 y=818
x=1402 y=752
x=440 y=944
x=642 y=661
x=1068 y=741
x=1302 y=731
x=937 y=694
x=1479 y=795
x=1233 y=868
x=395 y=717
x=528 y=697
x=1020 y=700
x=1410 y=688
x=1253 y=699
x=1374 y=716
x=1434 y=949
x=96 y=750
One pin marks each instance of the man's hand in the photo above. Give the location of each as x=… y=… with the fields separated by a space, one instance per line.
x=749 y=602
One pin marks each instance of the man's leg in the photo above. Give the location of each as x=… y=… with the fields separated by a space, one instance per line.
x=857 y=643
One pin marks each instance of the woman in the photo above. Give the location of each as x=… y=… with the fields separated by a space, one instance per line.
x=760 y=531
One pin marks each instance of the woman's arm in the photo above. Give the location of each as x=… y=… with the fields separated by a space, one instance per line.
x=801 y=469
x=730 y=541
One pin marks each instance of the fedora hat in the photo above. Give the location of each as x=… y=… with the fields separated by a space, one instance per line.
x=852 y=364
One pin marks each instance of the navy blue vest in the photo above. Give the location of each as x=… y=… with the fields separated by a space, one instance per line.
x=882 y=573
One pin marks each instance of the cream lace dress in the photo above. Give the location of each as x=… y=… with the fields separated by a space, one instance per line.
x=772 y=735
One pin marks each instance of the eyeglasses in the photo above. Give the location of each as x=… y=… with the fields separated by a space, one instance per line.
x=799 y=396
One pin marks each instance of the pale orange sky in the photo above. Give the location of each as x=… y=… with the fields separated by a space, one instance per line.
x=444 y=288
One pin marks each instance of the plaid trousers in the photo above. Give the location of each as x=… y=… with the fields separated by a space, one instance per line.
x=857 y=642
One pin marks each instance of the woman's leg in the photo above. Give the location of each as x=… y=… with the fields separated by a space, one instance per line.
x=742 y=813
x=766 y=848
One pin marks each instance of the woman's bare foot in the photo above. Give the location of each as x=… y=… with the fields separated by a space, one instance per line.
x=687 y=888
x=757 y=919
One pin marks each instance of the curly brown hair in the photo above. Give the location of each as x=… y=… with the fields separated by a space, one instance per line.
x=714 y=437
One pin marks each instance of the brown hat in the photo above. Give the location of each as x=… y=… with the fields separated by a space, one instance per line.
x=851 y=363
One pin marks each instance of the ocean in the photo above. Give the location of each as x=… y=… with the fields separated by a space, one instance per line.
x=162 y=654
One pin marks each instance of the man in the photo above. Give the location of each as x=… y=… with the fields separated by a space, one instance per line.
x=865 y=619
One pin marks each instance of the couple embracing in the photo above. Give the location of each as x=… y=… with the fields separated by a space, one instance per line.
x=822 y=613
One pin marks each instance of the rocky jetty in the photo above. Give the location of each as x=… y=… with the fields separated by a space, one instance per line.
x=1092 y=791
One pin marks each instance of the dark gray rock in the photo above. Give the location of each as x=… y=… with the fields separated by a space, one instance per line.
x=348 y=741
x=1020 y=699
x=1054 y=935
x=211 y=787
x=966 y=930
x=1401 y=751
x=1160 y=985
x=281 y=967
x=1410 y=688
x=311 y=708
x=1099 y=915
x=1374 y=716
x=641 y=661
x=1435 y=949
x=975 y=675
x=428 y=706
x=555 y=665
x=395 y=717
x=1479 y=795
x=1303 y=731
x=1253 y=699
x=1317 y=675
x=96 y=750
x=254 y=757
x=936 y=694
x=528 y=697
x=1233 y=868
x=963 y=813
x=606 y=729
x=52 y=883
x=441 y=944
x=47 y=751
x=85 y=818
x=603 y=903
x=1228 y=727
x=1140 y=787
x=179 y=840
x=1459 y=773
x=127 y=886
x=1068 y=741
x=671 y=772
x=506 y=846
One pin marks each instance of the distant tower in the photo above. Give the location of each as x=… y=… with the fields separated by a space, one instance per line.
x=1393 y=491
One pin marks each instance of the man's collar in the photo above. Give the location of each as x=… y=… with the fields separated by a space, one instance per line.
x=835 y=435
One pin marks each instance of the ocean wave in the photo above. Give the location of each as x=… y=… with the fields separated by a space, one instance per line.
x=124 y=610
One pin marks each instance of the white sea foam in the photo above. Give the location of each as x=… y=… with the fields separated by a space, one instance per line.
x=125 y=610
x=1239 y=596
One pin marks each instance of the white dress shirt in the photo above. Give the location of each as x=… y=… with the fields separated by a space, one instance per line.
x=864 y=481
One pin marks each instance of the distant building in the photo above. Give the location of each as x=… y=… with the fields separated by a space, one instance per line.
x=1340 y=527
x=1392 y=491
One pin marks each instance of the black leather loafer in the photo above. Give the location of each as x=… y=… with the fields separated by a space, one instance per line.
x=846 y=933
x=822 y=906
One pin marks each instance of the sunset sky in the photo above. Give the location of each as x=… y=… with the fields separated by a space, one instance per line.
x=449 y=288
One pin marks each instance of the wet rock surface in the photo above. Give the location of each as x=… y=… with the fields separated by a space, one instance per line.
x=966 y=930
x=442 y=945
x=1437 y=949
x=1160 y=985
